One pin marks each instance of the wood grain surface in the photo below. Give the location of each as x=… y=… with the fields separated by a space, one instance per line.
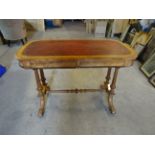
x=75 y=48
x=75 y=53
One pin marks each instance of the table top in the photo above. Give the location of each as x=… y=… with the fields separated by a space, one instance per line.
x=75 y=53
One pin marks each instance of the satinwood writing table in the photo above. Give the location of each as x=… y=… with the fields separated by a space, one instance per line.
x=53 y=54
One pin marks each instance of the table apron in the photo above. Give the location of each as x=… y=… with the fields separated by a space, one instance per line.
x=75 y=64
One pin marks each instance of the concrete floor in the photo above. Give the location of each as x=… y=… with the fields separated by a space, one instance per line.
x=73 y=113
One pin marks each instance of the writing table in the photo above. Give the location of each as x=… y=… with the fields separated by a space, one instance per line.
x=54 y=54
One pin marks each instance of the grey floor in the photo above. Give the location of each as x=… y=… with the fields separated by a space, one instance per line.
x=73 y=113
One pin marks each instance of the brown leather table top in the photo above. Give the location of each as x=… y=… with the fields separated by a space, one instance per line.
x=44 y=50
x=75 y=48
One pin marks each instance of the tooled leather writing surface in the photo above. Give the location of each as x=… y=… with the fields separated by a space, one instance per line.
x=75 y=48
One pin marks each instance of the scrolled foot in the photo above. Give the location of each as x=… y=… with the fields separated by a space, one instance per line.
x=42 y=106
x=111 y=105
x=41 y=112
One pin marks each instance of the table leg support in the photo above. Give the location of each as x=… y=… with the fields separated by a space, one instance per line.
x=106 y=83
x=42 y=88
x=43 y=80
x=111 y=92
x=42 y=106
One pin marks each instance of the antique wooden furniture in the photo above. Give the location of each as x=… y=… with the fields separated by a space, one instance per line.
x=46 y=54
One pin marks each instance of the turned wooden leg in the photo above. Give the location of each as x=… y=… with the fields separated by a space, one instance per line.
x=41 y=93
x=106 y=83
x=111 y=92
x=43 y=80
x=42 y=106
